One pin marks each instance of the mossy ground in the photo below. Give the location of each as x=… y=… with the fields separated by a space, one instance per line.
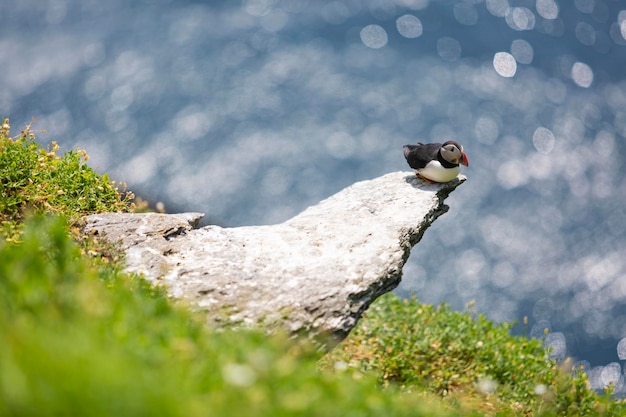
x=80 y=337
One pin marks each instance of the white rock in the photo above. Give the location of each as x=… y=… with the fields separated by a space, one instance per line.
x=316 y=272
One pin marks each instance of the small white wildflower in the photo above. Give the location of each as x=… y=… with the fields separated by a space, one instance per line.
x=340 y=366
x=487 y=385
x=238 y=375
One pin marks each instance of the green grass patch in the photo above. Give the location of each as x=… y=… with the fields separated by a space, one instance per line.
x=74 y=343
x=34 y=179
x=467 y=360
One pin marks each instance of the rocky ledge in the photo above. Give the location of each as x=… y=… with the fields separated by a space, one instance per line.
x=315 y=273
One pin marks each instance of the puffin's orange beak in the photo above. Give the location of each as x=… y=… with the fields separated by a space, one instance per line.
x=464 y=160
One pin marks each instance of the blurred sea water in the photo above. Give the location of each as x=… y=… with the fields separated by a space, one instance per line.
x=253 y=110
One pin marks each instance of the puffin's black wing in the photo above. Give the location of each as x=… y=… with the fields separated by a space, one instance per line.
x=421 y=154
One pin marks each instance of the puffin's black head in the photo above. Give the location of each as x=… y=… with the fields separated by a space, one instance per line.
x=453 y=153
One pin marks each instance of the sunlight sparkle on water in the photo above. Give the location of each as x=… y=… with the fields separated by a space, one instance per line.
x=409 y=26
x=621 y=18
x=486 y=130
x=543 y=140
x=601 y=377
x=520 y=18
x=465 y=13
x=548 y=9
x=374 y=36
x=557 y=344
x=582 y=74
x=498 y=7
x=585 y=6
x=621 y=349
x=449 y=48
x=522 y=51
x=585 y=33
x=504 y=64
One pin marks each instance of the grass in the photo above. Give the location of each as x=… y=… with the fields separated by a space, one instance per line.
x=74 y=343
x=37 y=180
x=467 y=360
x=80 y=337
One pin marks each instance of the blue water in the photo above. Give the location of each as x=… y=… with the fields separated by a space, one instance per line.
x=251 y=111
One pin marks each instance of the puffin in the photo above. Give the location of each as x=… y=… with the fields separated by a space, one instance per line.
x=436 y=162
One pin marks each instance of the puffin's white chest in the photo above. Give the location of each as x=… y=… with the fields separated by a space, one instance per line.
x=435 y=172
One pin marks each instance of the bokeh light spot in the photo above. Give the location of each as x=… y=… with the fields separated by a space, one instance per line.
x=275 y=21
x=582 y=74
x=540 y=329
x=621 y=349
x=94 y=54
x=504 y=64
x=340 y=145
x=414 y=4
x=503 y=275
x=486 y=130
x=548 y=9
x=465 y=13
x=512 y=174
x=335 y=12
x=557 y=344
x=522 y=51
x=520 y=18
x=498 y=8
x=617 y=32
x=258 y=7
x=611 y=374
x=448 y=48
x=95 y=87
x=374 y=36
x=585 y=33
x=409 y=26
x=543 y=140
x=585 y=6
x=122 y=97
